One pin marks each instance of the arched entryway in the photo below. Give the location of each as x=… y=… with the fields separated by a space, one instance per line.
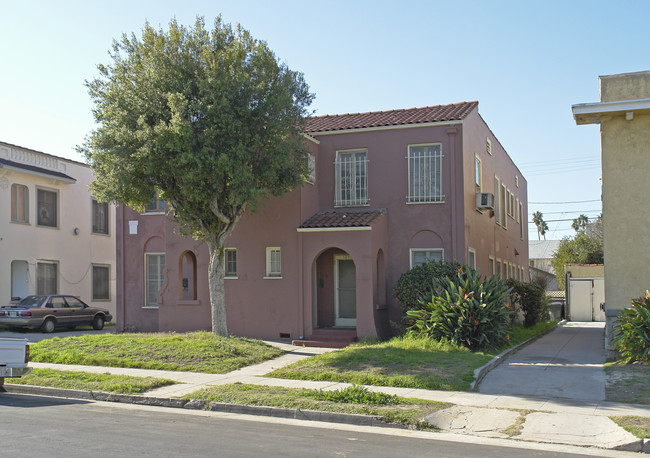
x=336 y=290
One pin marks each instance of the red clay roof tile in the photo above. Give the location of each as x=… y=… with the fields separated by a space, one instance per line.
x=439 y=113
x=343 y=218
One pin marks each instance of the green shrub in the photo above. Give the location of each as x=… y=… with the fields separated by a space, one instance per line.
x=632 y=335
x=415 y=285
x=468 y=310
x=356 y=394
x=532 y=300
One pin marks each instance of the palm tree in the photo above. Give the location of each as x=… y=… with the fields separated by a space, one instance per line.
x=580 y=223
x=542 y=227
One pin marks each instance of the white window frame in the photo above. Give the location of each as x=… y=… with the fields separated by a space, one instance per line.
x=504 y=205
x=226 y=262
x=273 y=263
x=94 y=207
x=478 y=173
x=15 y=203
x=353 y=166
x=56 y=205
x=491 y=265
x=498 y=268
x=160 y=280
x=412 y=251
x=108 y=283
x=488 y=146
x=471 y=251
x=429 y=188
x=523 y=221
x=40 y=263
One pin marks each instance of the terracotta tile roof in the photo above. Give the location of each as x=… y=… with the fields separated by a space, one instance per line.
x=343 y=218
x=453 y=112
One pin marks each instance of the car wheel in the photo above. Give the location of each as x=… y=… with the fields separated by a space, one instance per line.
x=48 y=325
x=98 y=323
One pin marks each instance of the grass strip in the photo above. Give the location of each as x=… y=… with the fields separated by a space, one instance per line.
x=406 y=361
x=121 y=384
x=627 y=382
x=639 y=426
x=406 y=411
x=194 y=352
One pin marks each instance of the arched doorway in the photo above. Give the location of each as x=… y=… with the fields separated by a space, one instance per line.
x=336 y=292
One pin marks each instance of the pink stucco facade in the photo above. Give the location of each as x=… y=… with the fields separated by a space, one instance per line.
x=313 y=256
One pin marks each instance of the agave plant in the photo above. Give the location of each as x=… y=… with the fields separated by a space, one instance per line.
x=468 y=310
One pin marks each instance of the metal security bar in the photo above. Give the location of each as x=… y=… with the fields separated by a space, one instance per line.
x=425 y=173
x=351 y=179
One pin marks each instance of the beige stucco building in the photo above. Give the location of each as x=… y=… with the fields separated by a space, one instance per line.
x=54 y=237
x=624 y=117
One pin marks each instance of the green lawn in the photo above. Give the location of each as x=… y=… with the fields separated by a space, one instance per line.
x=404 y=411
x=90 y=382
x=194 y=352
x=404 y=361
x=639 y=426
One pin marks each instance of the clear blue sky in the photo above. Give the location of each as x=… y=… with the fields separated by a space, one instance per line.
x=526 y=62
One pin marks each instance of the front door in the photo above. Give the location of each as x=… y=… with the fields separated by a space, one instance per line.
x=19 y=280
x=345 y=291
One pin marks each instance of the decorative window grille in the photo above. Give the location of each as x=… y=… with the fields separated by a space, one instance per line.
x=19 y=203
x=273 y=262
x=154 y=277
x=100 y=217
x=425 y=173
x=351 y=178
x=231 y=262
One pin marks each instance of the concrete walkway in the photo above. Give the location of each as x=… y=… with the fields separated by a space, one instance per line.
x=542 y=418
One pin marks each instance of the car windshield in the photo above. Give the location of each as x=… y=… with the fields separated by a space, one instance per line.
x=31 y=301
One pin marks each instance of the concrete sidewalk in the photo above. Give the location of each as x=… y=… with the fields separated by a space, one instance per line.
x=529 y=418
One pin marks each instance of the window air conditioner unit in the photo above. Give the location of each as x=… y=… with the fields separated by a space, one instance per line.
x=485 y=200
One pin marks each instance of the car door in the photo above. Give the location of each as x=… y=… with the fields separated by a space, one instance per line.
x=79 y=313
x=57 y=306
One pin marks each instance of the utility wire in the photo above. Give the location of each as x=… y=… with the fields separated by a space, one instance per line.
x=569 y=202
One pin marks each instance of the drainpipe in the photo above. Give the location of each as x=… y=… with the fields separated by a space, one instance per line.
x=452 y=195
x=567 y=295
x=301 y=305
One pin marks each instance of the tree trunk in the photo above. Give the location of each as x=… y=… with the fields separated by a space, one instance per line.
x=216 y=273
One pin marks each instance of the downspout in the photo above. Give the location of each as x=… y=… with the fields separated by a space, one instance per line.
x=567 y=295
x=301 y=306
x=452 y=197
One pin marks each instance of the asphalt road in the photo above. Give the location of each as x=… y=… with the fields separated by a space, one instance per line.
x=42 y=426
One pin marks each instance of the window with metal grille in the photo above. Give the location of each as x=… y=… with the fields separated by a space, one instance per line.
x=47 y=208
x=46 y=278
x=100 y=217
x=351 y=178
x=425 y=173
x=101 y=282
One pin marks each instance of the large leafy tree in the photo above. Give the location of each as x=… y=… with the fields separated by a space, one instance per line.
x=584 y=248
x=210 y=119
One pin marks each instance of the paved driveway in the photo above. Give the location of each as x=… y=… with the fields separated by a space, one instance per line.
x=566 y=363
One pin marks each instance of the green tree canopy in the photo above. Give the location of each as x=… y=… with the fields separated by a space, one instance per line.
x=580 y=223
x=209 y=118
x=584 y=248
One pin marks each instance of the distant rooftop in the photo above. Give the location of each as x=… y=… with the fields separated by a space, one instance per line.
x=542 y=249
x=439 y=113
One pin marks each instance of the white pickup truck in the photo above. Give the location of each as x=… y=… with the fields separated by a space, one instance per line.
x=14 y=356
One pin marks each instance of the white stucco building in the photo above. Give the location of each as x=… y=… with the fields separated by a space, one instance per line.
x=54 y=237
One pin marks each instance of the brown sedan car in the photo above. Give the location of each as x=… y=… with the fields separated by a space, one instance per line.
x=48 y=312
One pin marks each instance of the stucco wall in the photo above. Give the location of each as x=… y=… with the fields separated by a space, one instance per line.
x=74 y=251
x=585 y=270
x=483 y=234
x=625 y=86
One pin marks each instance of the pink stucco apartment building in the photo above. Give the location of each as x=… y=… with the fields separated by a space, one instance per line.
x=389 y=190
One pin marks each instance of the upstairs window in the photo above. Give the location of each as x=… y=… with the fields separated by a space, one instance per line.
x=154 y=265
x=155 y=205
x=100 y=217
x=47 y=207
x=19 y=203
x=425 y=173
x=351 y=178
x=478 y=174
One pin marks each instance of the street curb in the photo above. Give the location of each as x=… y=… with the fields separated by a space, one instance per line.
x=482 y=371
x=194 y=404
